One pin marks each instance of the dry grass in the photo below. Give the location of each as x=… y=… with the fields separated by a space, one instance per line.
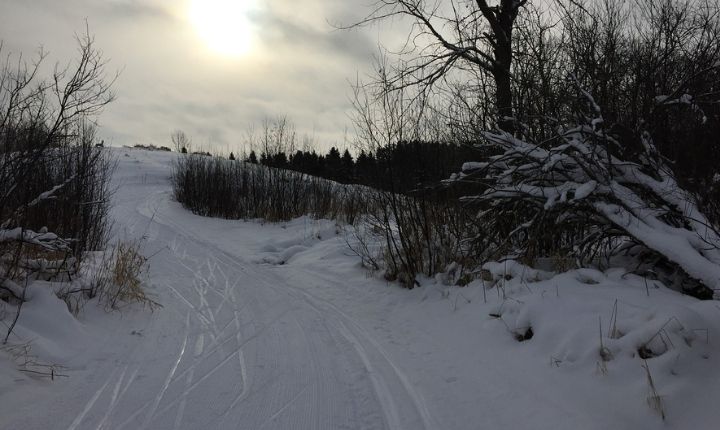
x=120 y=281
x=655 y=401
x=114 y=277
x=562 y=264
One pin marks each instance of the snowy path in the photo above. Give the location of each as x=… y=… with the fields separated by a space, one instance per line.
x=277 y=327
x=283 y=357
x=235 y=346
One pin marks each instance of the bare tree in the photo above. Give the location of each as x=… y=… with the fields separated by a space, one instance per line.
x=180 y=140
x=449 y=35
x=277 y=139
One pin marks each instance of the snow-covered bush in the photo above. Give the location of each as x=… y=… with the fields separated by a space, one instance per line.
x=592 y=194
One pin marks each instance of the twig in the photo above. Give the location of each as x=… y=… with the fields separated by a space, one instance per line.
x=17 y=314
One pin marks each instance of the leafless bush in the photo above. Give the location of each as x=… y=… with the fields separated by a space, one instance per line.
x=422 y=230
x=420 y=234
x=54 y=195
x=79 y=209
x=212 y=186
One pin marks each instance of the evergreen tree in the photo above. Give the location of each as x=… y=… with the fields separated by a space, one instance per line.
x=365 y=168
x=333 y=163
x=280 y=160
x=347 y=167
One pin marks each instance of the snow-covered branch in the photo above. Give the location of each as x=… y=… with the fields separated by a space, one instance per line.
x=586 y=192
x=47 y=240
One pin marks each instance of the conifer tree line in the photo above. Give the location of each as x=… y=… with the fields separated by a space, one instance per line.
x=403 y=167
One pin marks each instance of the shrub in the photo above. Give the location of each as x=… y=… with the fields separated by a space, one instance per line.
x=54 y=182
x=212 y=186
x=421 y=234
x=593 y=194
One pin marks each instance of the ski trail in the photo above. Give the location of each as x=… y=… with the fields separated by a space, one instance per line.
x=88 y=406
x=195 y=310
x=212 y=370
x=116 y=400
x=314 y=302
x=243 y=374
x=414 y=394
x=210 y=317
x=181 y=408
x=282 y=409
x=197 y=353
x=191 y=369
x=398 y=401
x=113 y=405
x=168 y=379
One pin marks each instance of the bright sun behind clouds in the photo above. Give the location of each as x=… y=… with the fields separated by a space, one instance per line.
x=223 y=25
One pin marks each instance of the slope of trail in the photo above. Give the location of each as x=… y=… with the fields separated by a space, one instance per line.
x=232 y=347
x=276 y=326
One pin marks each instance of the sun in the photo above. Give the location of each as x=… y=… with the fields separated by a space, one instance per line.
x=223 y=25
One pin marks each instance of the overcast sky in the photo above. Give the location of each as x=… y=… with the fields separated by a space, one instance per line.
x=176 y=76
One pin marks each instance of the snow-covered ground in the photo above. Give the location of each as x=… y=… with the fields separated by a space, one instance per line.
x=277 y=326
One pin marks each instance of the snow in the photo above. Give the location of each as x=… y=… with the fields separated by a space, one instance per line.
x=278 y=326
x=616 y=190
x=585 y=190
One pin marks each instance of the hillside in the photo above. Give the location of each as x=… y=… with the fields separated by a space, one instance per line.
x=277 y=326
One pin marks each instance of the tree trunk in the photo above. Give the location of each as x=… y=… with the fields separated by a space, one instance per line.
x=501 y=19
x=503 y=88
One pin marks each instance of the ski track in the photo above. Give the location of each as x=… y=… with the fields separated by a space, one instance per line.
x=242 y=348
x=324 y=308
x=89 y=404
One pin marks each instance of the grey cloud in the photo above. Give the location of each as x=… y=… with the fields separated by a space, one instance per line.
x=130 y=9
x=300 y=68
x=278 y=29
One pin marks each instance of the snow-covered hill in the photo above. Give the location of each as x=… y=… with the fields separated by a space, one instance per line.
x=277 y=326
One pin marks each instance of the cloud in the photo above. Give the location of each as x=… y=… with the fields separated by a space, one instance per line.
x=328 y=41
x=300 y=66
x=131 y=9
